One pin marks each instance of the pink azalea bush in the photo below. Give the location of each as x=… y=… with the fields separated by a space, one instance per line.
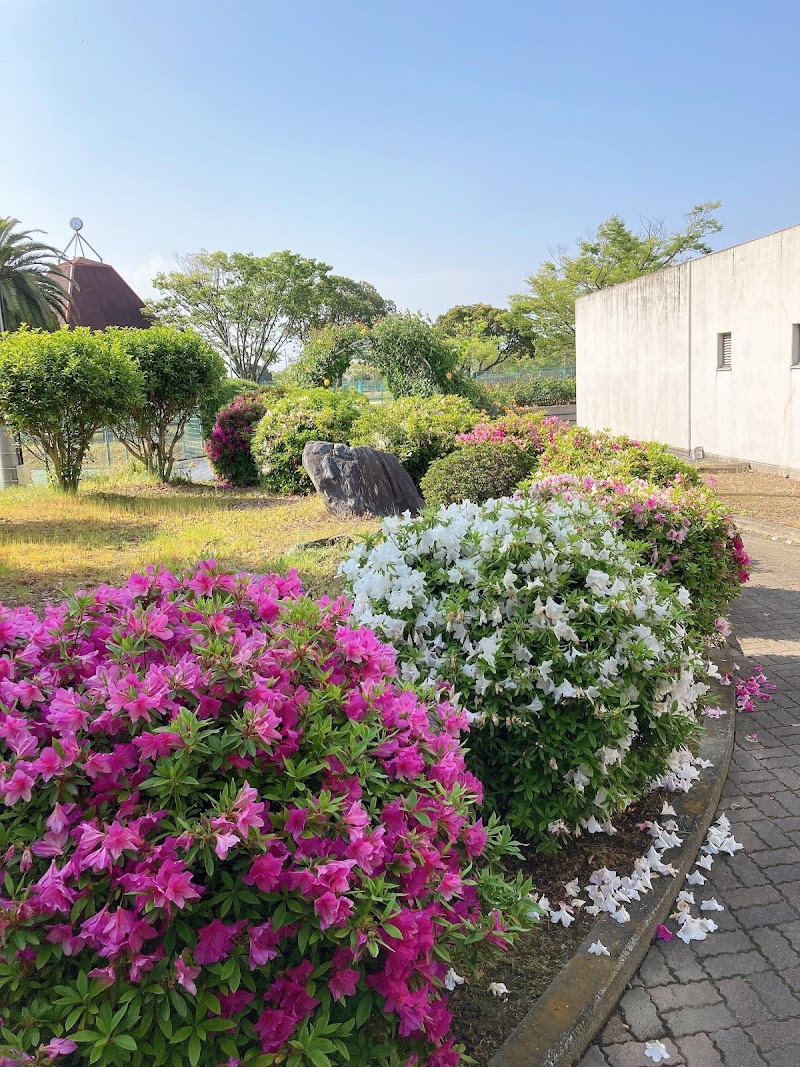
x=229 y=836
x=685 y=532
x=228 y=447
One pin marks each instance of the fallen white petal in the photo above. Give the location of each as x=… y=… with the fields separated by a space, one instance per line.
x=451 y=980
x=656 y=1051
x=711 y=905
x=598 y=949
x=497 y=989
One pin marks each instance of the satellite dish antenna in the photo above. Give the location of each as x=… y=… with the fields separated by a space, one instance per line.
x=77 y=225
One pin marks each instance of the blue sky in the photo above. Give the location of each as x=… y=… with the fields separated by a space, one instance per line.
x=437 y=149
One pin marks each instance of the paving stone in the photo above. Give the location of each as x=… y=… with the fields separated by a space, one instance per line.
x=774 y=856
x=737 y=1048
x=775 y=1035
x=654 y=971
x=616 y=1032
x=775 y=947
x=745 y=898
x=777 y=996
x=744 y=1002
x=785 y=1057
x=594 y=1058
x=772 y=836
x=699 y=1020
x=729 y=966
x=717 y=942
x=678 y=995
x=792 y=978
x=698 y=1051
x=639 y=1012
x=768 y=914
x=786 y=872
x=633 y=1055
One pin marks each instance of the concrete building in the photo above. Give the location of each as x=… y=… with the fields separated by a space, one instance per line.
x=704 y=356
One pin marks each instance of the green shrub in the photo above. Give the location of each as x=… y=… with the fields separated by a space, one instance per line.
x=541 y=392
x=328 y=354
x=60 y=388
x=301 y=416
x=685 y=533
x=478 y=473
x=571 y=658
x=416 y=429
x=215 y=401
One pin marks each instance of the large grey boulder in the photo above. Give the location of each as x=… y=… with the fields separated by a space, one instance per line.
x=360 y=481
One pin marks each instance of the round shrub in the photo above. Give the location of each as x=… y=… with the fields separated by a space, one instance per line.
x=531 y=431
x=211 y=405
x=572 y=660
x=683 y=532
x=301 y=416
x=478 y=473
x=227 y=833
x=599 y=454
x=416 y=429
x=228 y=447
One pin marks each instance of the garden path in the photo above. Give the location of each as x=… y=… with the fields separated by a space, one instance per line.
x=734 y=999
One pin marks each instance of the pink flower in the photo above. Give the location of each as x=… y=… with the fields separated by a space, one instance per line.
x=59 y=1046
x=332 y=910
x=186 y=973
x=18 y=787
x=663 y=933
x=723 y=626
x=264 y=872
x=215 y=941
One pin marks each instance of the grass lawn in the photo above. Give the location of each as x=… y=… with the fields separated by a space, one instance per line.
x=51 y=544
x=761 y=496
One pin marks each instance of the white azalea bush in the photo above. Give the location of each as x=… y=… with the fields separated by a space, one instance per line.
x=572 y=660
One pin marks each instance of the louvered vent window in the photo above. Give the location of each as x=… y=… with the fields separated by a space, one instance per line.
x=724 y=352
x=796 y=345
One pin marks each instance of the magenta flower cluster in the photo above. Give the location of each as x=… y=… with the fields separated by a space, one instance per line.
x=756 y=687
x=214 y=789
x=228 y=447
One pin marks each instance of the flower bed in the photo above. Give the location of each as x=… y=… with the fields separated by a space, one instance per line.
x=226 y=830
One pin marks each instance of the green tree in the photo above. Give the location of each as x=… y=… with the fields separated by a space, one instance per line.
x=59 y=389
x=414 y=358
x=250 y=308
x=614 y=253
x=179 y=369
x=30 y=290
x=487 y=336
x=347 y=302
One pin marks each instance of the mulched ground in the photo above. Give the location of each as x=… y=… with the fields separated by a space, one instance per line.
x=482 y=1021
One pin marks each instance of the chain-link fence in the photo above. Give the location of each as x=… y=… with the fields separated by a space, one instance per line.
x=107 y=452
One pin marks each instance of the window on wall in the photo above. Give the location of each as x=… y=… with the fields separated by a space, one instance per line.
x=723 y=351
x=796 y=345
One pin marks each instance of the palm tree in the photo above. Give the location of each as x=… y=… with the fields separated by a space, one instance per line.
x=30 y=286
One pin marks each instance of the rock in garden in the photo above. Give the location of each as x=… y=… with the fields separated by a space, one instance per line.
x=360 y=480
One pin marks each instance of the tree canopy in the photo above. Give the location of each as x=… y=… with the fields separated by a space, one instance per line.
x=250 y=308
x=347 y=302
x=30 y=288
x=613 y=253
x=487 y=336
x=59 y=388
x=179 y=369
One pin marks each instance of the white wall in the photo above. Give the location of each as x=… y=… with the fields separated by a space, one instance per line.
x=633 y=358
x=647 y=354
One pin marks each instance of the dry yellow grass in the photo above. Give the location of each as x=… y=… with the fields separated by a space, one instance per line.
x=51 y=544
x=767 y=497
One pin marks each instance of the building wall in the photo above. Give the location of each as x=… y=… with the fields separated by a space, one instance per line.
x=647 y=354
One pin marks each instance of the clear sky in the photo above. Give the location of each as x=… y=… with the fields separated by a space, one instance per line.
x=436 y=148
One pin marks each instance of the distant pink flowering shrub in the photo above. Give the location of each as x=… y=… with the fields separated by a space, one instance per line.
x=228 y=835
x=228 y=447
x=531 y=431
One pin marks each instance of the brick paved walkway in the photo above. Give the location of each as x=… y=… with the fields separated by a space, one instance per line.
x=734 y=999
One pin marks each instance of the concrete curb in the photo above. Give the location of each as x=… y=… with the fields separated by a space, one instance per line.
x=745 y=524
x=576 y=1005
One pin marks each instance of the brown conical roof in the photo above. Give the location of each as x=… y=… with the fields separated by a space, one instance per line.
x=100 y=296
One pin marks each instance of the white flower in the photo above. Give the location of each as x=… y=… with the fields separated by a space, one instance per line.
x=451 y=980
x=497 y=989
x=711 y=905
x=598 y=949
x=667 y=809
x=695 y=878
x=656 y=1051
x=621 y=915
x=572 y=888
x=705 y=862
x=691 y=929
x=563 y=915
